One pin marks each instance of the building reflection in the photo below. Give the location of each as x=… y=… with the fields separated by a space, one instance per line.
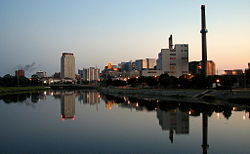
x=89 y=97
x=68 y=105
x=175 y=121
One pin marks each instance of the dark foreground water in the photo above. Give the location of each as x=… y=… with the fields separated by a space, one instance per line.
x=87 y=122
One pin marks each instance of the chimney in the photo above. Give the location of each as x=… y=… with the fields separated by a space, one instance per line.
x=170 y=41
x=204 y=40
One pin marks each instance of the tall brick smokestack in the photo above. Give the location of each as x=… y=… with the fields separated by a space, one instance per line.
x=204 y=40
x=170 y=41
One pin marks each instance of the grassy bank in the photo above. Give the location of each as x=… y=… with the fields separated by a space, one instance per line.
x=6 y=90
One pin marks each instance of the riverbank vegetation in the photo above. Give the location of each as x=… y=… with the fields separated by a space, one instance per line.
x=170 y=82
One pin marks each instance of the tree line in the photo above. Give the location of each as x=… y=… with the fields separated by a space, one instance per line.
x=184 y=81
x=13 y=81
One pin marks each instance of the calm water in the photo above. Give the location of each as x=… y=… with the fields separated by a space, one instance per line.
x=85 y=121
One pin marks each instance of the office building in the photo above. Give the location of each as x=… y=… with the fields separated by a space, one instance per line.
x=173 y=61
x=20 y=73
x=233 y=72
x=127 y=66
x=41 y=74
x=145 y=64
x=195 y=67
x=67 y=66
x=90 y=74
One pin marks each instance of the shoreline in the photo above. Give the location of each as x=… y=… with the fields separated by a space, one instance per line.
x=10 y=90
x=207 y=96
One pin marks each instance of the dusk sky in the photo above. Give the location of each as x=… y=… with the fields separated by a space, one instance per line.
x=102 y=31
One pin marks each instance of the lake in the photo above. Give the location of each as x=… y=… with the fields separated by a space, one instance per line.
x=89 y=122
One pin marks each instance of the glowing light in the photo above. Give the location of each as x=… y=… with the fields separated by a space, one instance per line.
x=137 y=104
x=189 y=112
x=244 y=117
x=218 y=80
x=218 y=115
x=137 y=77
x=44 y=81
x=234 y=108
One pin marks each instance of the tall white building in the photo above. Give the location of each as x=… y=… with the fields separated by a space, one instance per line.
x=68 y=66
x=90 y=74
x=174 y=61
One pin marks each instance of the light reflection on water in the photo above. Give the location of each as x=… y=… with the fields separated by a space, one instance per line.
x=86 y=121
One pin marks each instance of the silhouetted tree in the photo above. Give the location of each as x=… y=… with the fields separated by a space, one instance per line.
x=164 y=80
x=132 y=82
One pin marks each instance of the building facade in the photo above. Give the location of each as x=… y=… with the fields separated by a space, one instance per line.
x=67 y=66
x=41 y=74
x=20 y=73
x=195 y=67
x=145 y=64
x=174 y=61
x=90 y=74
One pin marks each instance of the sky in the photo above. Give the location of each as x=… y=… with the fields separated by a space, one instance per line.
x=36 y=32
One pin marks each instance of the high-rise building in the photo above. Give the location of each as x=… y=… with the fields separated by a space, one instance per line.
x=195 y=67
x=140 y=64
x=20 y=73
x=151 y=63
x=174 y=61
x=90 y=74
x=68 y=66
x=211 y=68
x=126 y=66
x=145 y=64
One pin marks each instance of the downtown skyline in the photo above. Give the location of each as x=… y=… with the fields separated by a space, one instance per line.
x=99 y=32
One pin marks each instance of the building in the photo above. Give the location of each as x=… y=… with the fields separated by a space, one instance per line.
x=41 y=74
x=211 y=70
x=67 y=66
x=248 y=65
x=173 y=61
x=127 y=66
x=140 y=64
x=20 y=73
x=145 y=64
x=152 y=73
x=90 y=74
x=195 y=67
x=233 y=72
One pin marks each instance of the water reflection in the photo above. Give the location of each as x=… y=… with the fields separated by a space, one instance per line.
x=172 y=116
x=68 y=105
x=174 y=121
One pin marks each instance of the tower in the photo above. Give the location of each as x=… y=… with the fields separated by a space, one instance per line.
x=204 y=40
x=170 y=41
x=68 y=66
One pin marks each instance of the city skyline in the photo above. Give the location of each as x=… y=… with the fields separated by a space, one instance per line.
x=119 y=31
